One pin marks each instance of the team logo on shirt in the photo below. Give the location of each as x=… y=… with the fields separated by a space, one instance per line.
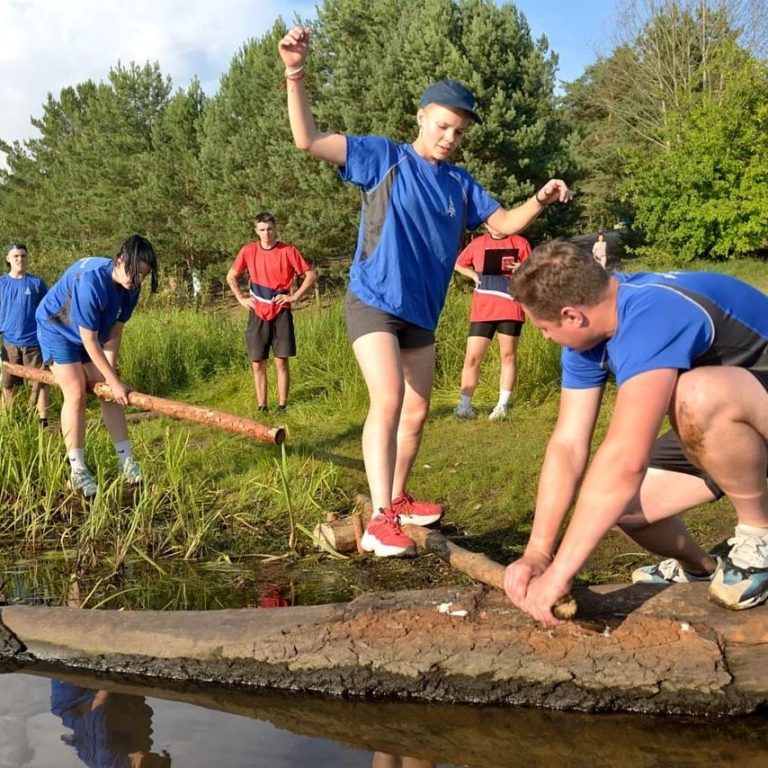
x=451 y=207
x=27 y=292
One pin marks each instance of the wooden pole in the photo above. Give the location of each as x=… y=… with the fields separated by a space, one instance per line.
x=177 y=410
x=474 y=564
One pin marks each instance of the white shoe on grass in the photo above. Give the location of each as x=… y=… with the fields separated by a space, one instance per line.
x=82 y=481
x=131 y=472
x=498 y=413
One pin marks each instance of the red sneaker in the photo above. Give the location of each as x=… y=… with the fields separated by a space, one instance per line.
x=385 y=538
x=413 y=512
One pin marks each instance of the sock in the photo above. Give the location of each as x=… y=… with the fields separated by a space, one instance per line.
x=123 y=451
x=43 y=421
x=751 y=530
x=76 y=458
x=504 y=396
x=465 y=401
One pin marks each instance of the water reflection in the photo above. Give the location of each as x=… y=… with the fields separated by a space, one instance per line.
x=106 y=723
x=107 y=730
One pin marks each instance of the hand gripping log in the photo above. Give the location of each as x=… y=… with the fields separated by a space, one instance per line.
x=478 y=566
x=177 y=410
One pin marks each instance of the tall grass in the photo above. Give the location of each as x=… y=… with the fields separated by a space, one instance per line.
x=167 y=350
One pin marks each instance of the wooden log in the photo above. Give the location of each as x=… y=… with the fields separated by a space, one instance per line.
x=344 y=533
x=177 y=410
x=474 y=564
x=339 y=534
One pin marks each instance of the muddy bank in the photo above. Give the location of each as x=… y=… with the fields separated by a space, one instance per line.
x=630 y=649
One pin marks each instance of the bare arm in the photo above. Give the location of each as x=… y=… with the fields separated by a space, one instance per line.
x=513 y=220
x=293 y=49
x=105 y=358
x=468 y=272
x=611 y=483
x=564 y=463
x=234 y=286
x=310 y=277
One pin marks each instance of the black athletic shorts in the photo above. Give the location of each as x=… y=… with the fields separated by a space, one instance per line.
x=363 y=319
x=488 y=328
x=668 y=453
x=277 y=335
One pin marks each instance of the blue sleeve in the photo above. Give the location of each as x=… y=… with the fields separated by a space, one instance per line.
x=583 y=370
x=88 y=301
x=480 y=205
x=368 y=160
x=659 y=328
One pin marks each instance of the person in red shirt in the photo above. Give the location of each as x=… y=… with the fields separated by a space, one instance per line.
x=272 y=266
x=489 y=261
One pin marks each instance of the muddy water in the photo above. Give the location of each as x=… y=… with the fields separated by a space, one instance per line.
x=57 y=719
x=52 y=718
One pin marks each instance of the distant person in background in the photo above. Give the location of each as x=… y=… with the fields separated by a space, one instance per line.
x=108 y=730
x=197 y=288
x=272 y=267
x=80 y=327
x=489 y=261
x=416 y=208
x=600 y=250
x=20 y=295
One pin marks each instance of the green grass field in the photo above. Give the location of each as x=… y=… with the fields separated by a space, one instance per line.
x=214 y=497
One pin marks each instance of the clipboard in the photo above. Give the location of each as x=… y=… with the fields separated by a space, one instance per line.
x=500 y=261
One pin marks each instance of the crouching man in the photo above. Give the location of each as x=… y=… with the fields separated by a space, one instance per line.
x=692 y=346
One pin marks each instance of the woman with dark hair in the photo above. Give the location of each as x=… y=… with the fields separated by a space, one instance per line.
x=79 y=327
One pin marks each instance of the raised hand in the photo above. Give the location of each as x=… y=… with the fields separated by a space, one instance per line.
x=294 y=46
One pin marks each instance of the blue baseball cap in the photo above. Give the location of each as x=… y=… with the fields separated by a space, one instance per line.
x=451 y=93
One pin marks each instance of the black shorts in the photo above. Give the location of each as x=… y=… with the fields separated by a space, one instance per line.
x=668 y=452
x=32 y=357
x=277 y=335
x=488 y=328
x=362 y=319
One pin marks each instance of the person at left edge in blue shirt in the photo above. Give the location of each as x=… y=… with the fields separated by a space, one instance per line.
x=416 y=208
x=20 y=295
x=80 y=326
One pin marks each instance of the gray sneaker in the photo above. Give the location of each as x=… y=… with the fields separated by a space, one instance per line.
x=741 y=579
x=82 y=481
x=131 y=473
x=668 y=571
x=465 y=412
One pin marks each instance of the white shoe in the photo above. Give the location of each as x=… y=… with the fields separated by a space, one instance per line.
x=498 y=413
x=465 y=412
x=131 y=473
x=668 y=571
x=83 y=482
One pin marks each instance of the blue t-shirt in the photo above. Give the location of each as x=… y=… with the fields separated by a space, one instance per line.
x=85 y=296
x=677 y=320
x=19 y=297
x=413 y=217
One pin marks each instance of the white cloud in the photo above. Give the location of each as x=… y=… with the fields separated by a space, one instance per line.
x=50 y=44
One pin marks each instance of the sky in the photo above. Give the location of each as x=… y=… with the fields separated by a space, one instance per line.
x=50 y=44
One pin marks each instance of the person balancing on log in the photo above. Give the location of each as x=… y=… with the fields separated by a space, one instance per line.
x=79 y=326
x=691 y=346
x=416 y=207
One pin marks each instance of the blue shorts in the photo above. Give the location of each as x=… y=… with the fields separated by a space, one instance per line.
x=58 y=350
